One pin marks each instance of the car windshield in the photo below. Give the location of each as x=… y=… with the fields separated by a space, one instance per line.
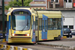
x=21 y=22
x=66 y=29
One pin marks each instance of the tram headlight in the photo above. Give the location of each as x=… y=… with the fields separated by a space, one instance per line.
x=27 y=34
x=13 y=34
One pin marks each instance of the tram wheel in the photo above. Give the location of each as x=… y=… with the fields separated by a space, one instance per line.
x=57 y=38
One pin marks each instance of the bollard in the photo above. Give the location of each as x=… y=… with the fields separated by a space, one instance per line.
x=1 y=46
x=11 y=47
x=29 y=49
x=19 y=48
x=24 y=49
x=7 y=47
x=3 y=40
x=4 y=46
x=15 y=48
x=64 y=37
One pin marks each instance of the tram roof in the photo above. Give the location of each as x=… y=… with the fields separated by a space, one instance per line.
x=50 y=14
x=15 y=8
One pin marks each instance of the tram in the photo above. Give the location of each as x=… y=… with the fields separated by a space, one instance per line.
x=20 y=25
x=24 y=25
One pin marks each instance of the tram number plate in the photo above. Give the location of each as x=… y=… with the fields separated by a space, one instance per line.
x=19 y=38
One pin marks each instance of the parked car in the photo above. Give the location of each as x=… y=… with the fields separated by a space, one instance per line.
x=67 y=32
x=1 y=36
x=73 y=33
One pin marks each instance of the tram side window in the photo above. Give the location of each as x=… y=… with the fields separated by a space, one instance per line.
x=54 y=23
x=50 y=24
x=59 y=21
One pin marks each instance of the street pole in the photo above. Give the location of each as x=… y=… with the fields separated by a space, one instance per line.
x=22 y=2
x=3 y=19
x=17 y=1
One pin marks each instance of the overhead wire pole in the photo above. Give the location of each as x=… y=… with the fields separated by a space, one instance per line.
x=3 y=19
x=17 y=1
x=22 y=2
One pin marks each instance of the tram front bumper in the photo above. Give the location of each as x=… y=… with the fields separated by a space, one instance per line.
x=20 y=40
x=19 y=37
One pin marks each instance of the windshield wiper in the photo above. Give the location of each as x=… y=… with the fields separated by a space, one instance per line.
x=25 y=26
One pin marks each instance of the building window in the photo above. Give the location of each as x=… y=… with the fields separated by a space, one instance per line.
x=65 y=0
x=68 y=0
x=55 y=1
x=38 y=0
x=42 y=2
x=42 y=8
x=65 y=26
x=38 y=8
x=52 y=0
x=71 y=27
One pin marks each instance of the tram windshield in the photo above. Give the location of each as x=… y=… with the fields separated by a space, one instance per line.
x=21 y=21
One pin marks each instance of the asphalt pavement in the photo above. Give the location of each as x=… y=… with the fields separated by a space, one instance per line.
x=64 y=43
x=35 y=47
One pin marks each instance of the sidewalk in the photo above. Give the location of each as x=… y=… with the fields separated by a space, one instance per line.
x=64 y=43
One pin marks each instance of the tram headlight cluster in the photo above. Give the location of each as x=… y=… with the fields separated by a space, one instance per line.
x=13 y=34
x=27 y=34
x=21 y=35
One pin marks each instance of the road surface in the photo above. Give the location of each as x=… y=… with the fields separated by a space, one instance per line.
x=36 y=46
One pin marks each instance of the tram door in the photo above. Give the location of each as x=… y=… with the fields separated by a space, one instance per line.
x=44 y=27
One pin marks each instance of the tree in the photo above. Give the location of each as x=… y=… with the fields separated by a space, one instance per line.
x=19 y=3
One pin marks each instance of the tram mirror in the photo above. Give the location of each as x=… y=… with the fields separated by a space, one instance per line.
x=12 y=13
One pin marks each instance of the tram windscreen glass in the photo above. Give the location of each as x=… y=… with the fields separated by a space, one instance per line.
x=21 y=22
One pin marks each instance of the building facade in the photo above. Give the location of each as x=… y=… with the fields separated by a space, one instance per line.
x=45 y=4
x=39 y=4
x=67 y=7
